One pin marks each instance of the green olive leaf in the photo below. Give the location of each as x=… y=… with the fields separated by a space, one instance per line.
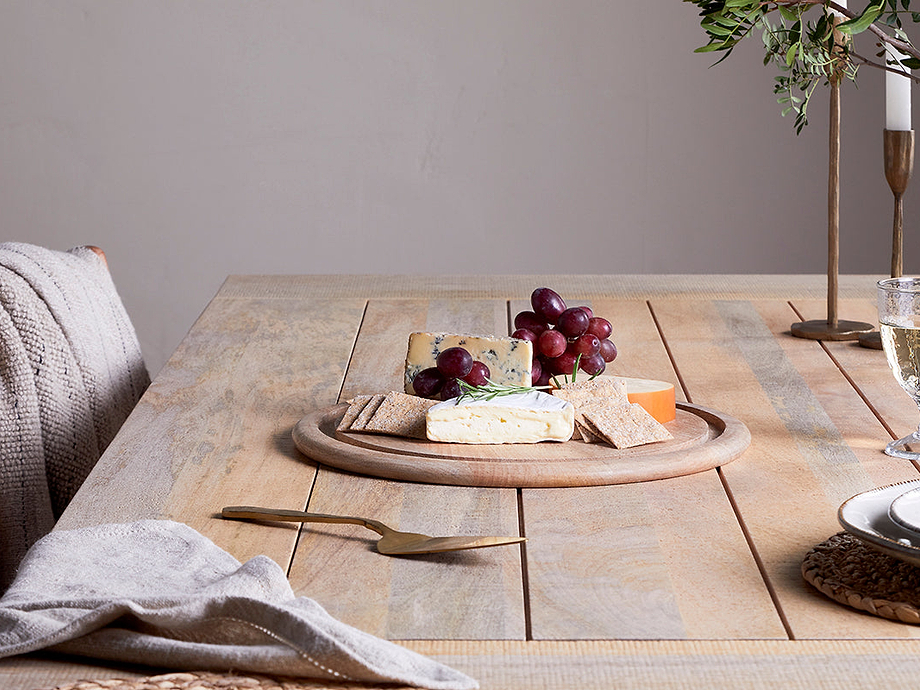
x=859 y=24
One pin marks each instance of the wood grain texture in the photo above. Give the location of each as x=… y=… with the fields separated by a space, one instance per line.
x=675 y=587
x=475 y=594
x=602 y=664
x=840 y=447
x=799 y=467
x=214 y=428
x=664 y=556
x=645 y=665
x=581 y=288
x=868 y=370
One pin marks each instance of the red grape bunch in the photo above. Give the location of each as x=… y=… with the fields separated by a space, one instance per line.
x=560 y=334
x=441 y=380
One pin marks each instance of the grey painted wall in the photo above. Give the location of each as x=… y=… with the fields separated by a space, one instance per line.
x=192 y=139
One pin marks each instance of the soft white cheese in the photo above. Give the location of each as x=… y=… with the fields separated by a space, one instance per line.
x=510 y=360
x=517 y=418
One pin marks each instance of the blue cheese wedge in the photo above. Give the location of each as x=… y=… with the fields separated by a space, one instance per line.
x=510 y=360
x=516 y=418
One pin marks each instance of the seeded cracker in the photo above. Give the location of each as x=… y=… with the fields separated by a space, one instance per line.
x=605 y=387
x=400 y=414
x=625 y=426
x=579 y=399
x=606 y=391
x=355 y=405
x=587 y=435
x=368 y=412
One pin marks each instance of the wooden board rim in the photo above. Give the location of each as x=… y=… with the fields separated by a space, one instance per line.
x=729 y=439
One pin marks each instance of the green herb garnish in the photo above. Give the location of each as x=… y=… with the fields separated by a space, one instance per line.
x=492 y=390
x=574 y=372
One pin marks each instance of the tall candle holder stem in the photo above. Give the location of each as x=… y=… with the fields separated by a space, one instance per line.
x=899 y=165
x=832 y=328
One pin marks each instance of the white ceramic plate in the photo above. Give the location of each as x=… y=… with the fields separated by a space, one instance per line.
x=905 y=510
x=866 y=516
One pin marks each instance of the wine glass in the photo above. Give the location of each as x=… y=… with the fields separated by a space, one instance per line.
x=899 y=324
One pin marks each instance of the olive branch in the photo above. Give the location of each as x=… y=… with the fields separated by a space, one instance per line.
x=810 y=41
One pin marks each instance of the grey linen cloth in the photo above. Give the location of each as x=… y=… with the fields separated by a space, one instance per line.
x=156 y=592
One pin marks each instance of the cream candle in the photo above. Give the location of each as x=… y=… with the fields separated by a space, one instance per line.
x=897 y=94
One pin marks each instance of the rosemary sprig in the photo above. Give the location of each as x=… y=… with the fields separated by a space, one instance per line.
x=492 y=390
x=574 y=372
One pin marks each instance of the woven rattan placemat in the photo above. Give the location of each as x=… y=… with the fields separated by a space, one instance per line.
x=853 y=573
x=215 y=681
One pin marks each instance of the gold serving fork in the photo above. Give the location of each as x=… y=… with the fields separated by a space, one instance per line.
x=392 y=542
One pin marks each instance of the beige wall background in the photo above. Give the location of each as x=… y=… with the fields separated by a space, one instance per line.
x=193 y=139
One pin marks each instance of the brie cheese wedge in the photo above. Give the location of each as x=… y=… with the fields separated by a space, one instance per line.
x=528 y=417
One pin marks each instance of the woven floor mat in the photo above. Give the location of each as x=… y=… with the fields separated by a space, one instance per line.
x=852 y=573
x=216 y=681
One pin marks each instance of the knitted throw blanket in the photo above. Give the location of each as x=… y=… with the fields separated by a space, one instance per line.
x=70 y=372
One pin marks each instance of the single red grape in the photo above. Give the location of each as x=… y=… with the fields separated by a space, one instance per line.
x=428 y=382
x=588 y=311
x=551 y=343
x=587 y=344
x=608 y=350
x=525 y=334
x=450 y=390
x=479 y=375
x=573 y=322
x=545 y=376
x=455 y=362
x=547 y=304
x=600 y=327
x=536 y=371
x=592 y=364
x=564 y=363
x=530 y=321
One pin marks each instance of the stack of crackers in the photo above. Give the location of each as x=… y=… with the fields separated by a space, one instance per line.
x=394 y=413
x=603 y=414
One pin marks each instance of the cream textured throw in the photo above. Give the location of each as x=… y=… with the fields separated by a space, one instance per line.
x=70 y=372
x=157 y=592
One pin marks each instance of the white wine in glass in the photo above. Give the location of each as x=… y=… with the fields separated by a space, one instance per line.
x=899 y=325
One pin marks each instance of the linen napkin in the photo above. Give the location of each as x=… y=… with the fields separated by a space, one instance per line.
x=156 y=592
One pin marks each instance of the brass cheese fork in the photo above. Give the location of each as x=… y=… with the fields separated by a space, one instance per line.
x=392 y=543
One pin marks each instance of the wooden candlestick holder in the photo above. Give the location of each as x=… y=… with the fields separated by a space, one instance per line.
x=899 y=166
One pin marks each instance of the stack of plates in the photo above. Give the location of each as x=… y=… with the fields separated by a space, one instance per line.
x=887 y=518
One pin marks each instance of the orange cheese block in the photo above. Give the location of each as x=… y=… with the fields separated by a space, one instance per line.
x=657 y=397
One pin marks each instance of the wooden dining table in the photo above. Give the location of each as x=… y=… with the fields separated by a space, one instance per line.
x=686 y=582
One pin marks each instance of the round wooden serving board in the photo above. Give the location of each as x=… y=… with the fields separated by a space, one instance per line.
x=703 y=439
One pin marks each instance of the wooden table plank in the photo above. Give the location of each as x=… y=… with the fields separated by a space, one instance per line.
x=572 y=287
x=843 y=450
x=476 y=594
x=713 y=665
x=627 y=561
x=378 y=360
x=734 y=355
x=869 y=371
x=214 y=428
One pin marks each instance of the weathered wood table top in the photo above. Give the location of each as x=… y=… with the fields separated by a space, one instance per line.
x=686 y=582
